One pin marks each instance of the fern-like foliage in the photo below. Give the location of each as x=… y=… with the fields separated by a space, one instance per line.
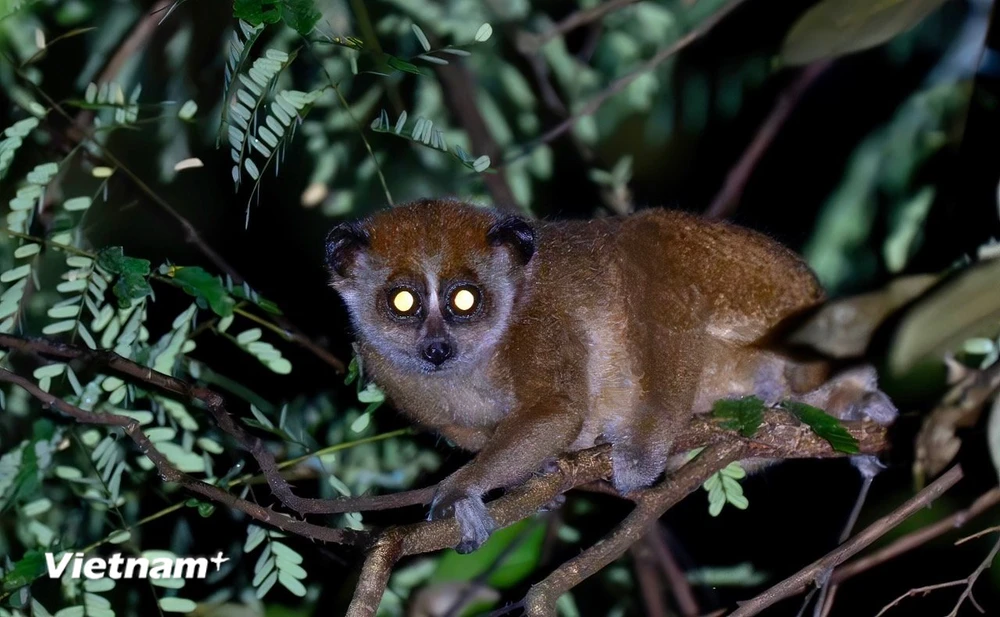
x=13 y=137
x=422 y=132
x=257 y=84
x=239 y=52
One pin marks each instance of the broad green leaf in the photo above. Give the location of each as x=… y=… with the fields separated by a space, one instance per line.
x=208 y=290
x=743 y=415
x=518 y=562
x=824 y=425
x=833 y=28
x=113 y=260
x=300 y=15
x=25 y=570
x=993 y=434
x=964 y=306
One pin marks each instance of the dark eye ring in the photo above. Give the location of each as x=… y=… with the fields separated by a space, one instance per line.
x=403 y=301
x=464 y=300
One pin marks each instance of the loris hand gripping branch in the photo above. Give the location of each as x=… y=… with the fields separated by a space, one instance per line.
x=522 y=340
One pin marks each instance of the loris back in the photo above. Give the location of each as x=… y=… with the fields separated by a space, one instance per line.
x=522 y=340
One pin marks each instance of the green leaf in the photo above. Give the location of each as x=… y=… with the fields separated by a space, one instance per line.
x=177 y=605
x=743 y=415
x=300 y=15
x=404 y=66
x=113 y=260
x=824 y=425
x=833 y=28
x=131 y=287
x=518 y=561
x=207 y=289
x=25 y=570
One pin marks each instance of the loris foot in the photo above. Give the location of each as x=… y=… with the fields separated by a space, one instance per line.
x=634 y=468
x=474 y=520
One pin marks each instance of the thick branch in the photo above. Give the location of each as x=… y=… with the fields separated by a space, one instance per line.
x=650 y=505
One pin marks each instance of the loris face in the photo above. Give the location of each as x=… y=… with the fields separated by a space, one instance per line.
x=431 y=286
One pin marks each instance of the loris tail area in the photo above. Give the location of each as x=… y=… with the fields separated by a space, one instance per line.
x=521 y=340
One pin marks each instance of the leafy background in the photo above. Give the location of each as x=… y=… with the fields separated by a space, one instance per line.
x=286 y=116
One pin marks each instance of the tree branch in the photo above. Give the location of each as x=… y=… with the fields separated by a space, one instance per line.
x=530 y=43
x=917 y=538
x=650 y=505
x=170 y=473
x=806 y=576
x=729 y=195
x=623 y=82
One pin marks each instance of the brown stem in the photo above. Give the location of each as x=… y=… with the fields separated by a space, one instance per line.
x=806 y=576
x=919 y=537
x=679 y=585
x=728 y=198
x=623 y=82
x=460 y=88
x=644 y=563
x=650 y=505
x=382 y=557
x=531 y=43
x=169 y=473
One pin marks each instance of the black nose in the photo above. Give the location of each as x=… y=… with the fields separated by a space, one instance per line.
x=437 y=352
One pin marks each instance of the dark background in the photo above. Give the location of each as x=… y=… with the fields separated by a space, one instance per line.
x=798 y=508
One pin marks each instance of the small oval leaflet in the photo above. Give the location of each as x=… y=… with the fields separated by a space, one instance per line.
x=484 y=33
x=481 y=164
x=190 y=163
x=177 y=605
x=187 y=110
x=248 y=336
x=421 y=37
x=76 y=203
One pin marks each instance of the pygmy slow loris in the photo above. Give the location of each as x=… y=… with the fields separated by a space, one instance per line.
x=522 y=340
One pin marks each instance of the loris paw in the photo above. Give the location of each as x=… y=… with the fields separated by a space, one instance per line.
x=877 y=406
x=634 y=468
x=869 y=466
x=474 y=520
x=556 y=503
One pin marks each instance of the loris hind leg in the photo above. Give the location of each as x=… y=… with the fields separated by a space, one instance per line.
x=642 y=440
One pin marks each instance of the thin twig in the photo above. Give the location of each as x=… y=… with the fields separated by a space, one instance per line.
x=644 y=563
x=215 y=404
x=650 y=505
x=679 y=584
x=459 y=89
x=918 y=538
x=623 y=82
x=191 y=234
x=728 y=197
x=170 y=473
x=804 y=577
x=531 y=43
x=969 y=582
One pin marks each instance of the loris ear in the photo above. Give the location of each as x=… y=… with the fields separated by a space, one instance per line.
x=343 y=244
x=515 y=232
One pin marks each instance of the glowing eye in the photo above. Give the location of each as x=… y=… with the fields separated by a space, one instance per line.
x=403 y=302
x=464 y=300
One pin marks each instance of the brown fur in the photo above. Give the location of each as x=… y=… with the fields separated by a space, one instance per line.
x=614 y=330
